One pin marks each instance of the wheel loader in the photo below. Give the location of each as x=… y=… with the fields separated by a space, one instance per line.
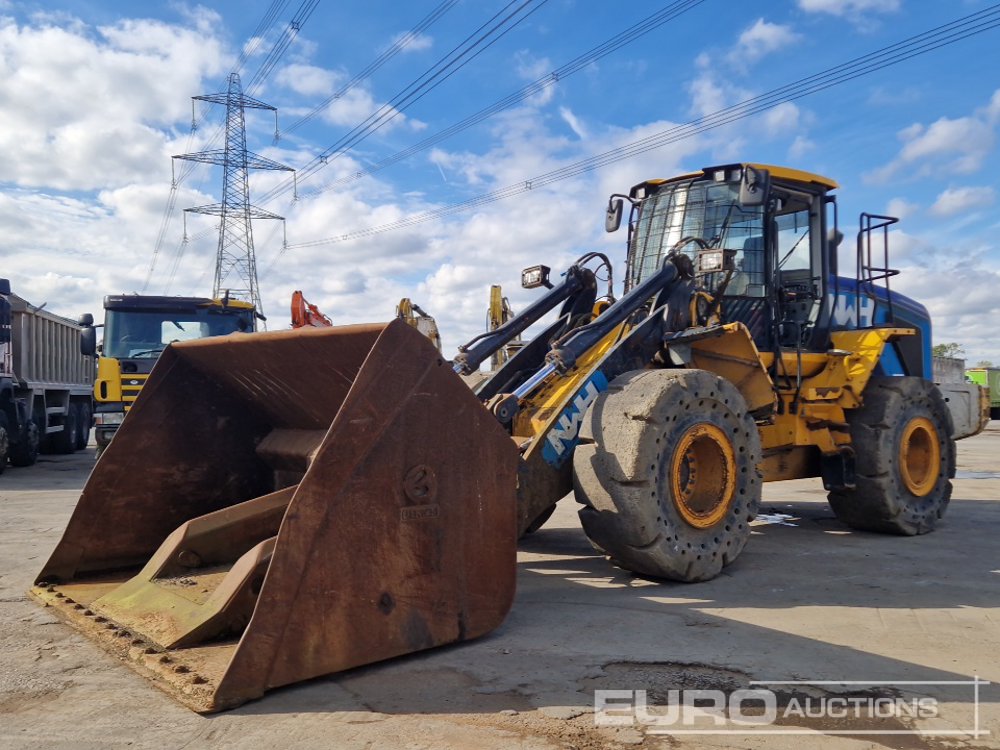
x=332 y=497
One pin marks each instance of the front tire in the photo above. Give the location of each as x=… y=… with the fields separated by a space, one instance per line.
x=25 y=451
x=905 y=459
x=83 y=421
x=666 y=470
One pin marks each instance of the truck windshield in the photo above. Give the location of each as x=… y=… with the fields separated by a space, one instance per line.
x=704 y=210
x=132 y=334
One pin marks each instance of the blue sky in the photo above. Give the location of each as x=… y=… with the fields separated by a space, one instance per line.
x=96 y=99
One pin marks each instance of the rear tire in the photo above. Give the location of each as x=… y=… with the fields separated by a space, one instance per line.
x=65 y=441
x=4 y=441
x=666 y=470
x=25 y=451
x=905 y=459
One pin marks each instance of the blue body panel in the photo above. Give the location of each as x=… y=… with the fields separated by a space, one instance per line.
x=852 y=310
x=563 y=437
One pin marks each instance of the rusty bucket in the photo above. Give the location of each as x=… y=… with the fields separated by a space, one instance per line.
x=280 y=506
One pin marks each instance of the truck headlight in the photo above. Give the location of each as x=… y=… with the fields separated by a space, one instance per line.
x=109 y=417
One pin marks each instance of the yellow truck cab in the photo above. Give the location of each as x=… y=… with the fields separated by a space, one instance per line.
x=137 y=328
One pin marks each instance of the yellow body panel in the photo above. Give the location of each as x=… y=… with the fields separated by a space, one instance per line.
x=542 y=408
x=114 y=386
x=108 y=385
x=729 y=351
x=786 y=174
x=832 y=382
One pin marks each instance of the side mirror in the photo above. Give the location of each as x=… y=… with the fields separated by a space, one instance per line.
x=5 y=286
x=613 y=218
x=85 y=321
x=536 y=276
x=88 y=341
x=755 y=187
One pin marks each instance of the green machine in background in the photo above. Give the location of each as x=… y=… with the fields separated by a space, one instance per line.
x=988 y=377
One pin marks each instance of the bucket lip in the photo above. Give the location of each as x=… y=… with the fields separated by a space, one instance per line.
x=291 y=333
x=164 y=668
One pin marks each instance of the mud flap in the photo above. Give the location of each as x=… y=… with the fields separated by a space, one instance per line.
x=280 y=506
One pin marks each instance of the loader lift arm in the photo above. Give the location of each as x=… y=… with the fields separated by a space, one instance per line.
x=658 y=287
x=577 y=292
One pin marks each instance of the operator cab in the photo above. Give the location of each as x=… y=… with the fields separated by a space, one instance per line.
x=757 y=238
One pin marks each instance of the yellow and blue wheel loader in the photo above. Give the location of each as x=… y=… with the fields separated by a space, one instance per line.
x=297 y=503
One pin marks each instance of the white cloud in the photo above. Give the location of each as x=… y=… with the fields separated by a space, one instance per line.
x=782 y=120
x=707 y=96
x=761 y=39
x=574 y=122
x=532 y=69
x=948 y=145
x=956 y=200
x=356 y=105
x=800 y=147
x=308 y=80
x=863 y=14
x=901 y=208
x=413 y=42
x=962 y=301
x=881 y=96
x=849 y=7
x=107 y=94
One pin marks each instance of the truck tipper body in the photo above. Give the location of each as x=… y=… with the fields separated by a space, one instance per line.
x=46 y=383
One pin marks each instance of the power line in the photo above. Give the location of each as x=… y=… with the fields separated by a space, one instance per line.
x=534 y=88
x=395 y=48
x=281 y=46
x=920 y=44
x=471 y=47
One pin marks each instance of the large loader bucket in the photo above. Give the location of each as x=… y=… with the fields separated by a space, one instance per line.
x=279 y=506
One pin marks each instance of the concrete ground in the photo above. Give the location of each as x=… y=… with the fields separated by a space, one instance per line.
x=807 y=600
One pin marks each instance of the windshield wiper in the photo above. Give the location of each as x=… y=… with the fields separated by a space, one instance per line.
x=146 y=352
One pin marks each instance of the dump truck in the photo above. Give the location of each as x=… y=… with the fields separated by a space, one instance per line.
x=989 y=379
x=137 y=328
x=322 y=498
x=45 y=383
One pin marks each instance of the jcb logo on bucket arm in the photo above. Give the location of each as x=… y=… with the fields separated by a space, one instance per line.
x=563 y=435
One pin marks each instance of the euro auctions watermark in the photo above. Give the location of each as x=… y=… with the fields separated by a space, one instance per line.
x=849 y=707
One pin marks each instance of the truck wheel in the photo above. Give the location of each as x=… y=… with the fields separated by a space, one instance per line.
x=4 y=441
x=25 y=451
x=84 y=418
x=65 y=441
x=905 y=458
x=666 y=470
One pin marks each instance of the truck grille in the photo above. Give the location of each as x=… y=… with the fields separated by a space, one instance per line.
x=131 y=385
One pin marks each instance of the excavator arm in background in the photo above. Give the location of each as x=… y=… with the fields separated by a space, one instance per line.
x=305 y=314
x=414 y=316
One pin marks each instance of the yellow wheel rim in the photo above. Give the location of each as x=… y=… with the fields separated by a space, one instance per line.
x=703 y=475
x=919 y=456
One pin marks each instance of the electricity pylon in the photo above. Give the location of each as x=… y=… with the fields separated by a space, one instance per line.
x=235 y=264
